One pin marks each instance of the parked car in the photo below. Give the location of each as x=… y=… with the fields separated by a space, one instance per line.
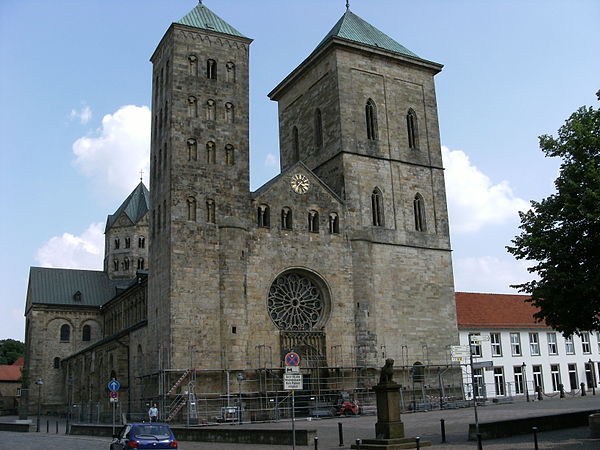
x=144 y=435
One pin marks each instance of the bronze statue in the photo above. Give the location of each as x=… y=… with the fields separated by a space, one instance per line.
x=387 y=372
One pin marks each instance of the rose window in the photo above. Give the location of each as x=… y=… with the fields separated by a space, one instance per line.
x=295 y=302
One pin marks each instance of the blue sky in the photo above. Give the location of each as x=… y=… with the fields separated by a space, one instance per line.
x=74 y=124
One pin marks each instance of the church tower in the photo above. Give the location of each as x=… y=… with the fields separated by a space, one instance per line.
x=361 y=113
x=199 y=186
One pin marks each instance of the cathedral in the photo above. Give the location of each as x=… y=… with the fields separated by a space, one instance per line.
x=344 y=257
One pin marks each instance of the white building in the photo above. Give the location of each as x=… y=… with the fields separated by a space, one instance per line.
x=524 y=354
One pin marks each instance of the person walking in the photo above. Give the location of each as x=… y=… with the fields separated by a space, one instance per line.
x=153 y=413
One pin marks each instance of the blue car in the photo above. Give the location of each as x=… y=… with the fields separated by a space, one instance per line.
x=144 y=435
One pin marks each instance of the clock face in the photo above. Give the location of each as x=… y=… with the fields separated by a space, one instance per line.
x=300 y=183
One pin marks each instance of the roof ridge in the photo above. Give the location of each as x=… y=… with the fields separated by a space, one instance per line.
x=203 y=18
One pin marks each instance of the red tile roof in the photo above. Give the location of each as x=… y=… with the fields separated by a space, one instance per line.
x=10 y=373
x=19 y=362
x=474 y=310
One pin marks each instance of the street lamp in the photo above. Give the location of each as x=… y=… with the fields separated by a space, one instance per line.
x=39 y=383
x=593 y=376
x=240 y=377
x=525 y=381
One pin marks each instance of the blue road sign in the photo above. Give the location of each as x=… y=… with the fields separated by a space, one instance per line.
x=292 y=359
x=114 y=385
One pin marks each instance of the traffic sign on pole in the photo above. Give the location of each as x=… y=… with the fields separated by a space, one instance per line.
x=114 y=385
x=292 y=359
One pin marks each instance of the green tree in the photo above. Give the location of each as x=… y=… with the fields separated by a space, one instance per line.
x=561 y=234
x=10 y=351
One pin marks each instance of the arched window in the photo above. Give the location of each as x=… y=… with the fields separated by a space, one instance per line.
x=164 y=214
x=142 y=242
x=56 y=363
x=211 y=69
x=126 y=264
x=191 y=209
x=117 y=243
x=140 y=264
x=159 y=166
x=313 y=221
x=230 y=72
x=210 y=211
x=166 y=115
x=86 y=333
x=116 y=265
x=318 y=129
x=140 y=361
x=419 y=210
x=193 y=59
x=377 y=207
x=412 y=129
x=334 y=223
x=286 y=218
x=65 y=333
x=210 y=152
x=229 y=113
x=371 y=117
x=263 y=216
x=127 y=242
x=210 y=110
x=229 y=155
x=192 y=146
x=158 y=216
x=192 y=106
x=295 y=145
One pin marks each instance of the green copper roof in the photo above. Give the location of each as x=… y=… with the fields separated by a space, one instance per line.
x=353 y=28
x=136 y=206
x=203 y=18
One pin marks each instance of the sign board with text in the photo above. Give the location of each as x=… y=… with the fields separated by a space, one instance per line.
x=292 y=381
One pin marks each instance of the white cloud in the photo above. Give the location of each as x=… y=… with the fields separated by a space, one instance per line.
x=84 y=115
x=114 y=157
x=489 y=274
x=473 y=201
x=271 y=160
x=85 y=251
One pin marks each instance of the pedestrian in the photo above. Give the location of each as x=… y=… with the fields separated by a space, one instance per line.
x=153 y=413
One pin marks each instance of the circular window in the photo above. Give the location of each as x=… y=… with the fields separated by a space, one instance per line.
x=296 y=302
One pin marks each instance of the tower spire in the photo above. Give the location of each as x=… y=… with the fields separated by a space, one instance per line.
x=347 y=5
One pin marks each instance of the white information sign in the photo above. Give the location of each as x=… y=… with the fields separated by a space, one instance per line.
x=292 y=369
x=292 y=381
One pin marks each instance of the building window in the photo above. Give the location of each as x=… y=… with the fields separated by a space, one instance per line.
x=211 y=69
x=573 y=378
x=313 y=221
x=86 y=333
x=496 y=344
x=210 y=110
x=116 y=265
x=538 y=381
x=117 y=243
x=534 y=344
x=286 y=218
x=518 y=372
x=515 y=344
x=210 y=152
x=585 y=343
x=192 y=107
x=191 y=209
x=318 y=129
x=371 y=118
x=192 y=146
x=419 y=212
x=334 y=223
x=127 y=242
x=263 y=216
x=377 y=207
x=552 y=347
x=142 y=242
x=555 y=373
x=56 y=363
x=499 y=380
x=412 y=129
x=193 y=60
x=589 y=376
x=210 y=211
x=295 y=145
x=598 y=339
x=230 y=72
x=479 y=387
x=158 y=217
x=569 y=346
x=475 y=347
x=229 y=155
x=229 y=113
x=126 y=264
x=140 y=264
x=77 y=296
x=65 y=333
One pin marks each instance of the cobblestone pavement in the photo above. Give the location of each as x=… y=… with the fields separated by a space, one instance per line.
x=423 y=424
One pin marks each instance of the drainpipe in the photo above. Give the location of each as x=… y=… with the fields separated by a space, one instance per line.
x=128 y=379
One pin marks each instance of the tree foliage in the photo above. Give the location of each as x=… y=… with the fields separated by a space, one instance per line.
x=10 y=351
x=561 y=234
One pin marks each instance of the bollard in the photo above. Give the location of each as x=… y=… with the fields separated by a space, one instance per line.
x=479 y=443
x=47 y=425
x=539 y=393
x=418 y=442
x=535 y=442
x=358 y=442
x=583 y=393
x=316 y=443
x=561 y=388
x=57 y=427
x=341 y=434
x=443 y=427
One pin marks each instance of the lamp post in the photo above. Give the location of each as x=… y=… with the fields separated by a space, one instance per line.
x=525 y=381
x=593 y=376
x=39 y=383
x=240 y=377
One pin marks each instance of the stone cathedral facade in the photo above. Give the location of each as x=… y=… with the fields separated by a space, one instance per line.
x=343 y=257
